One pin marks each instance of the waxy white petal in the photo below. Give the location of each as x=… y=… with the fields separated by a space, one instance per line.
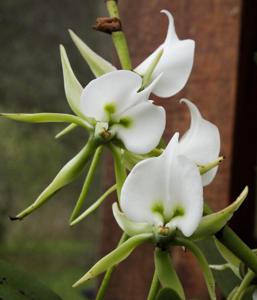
x=116 y=89
x=201 y=143
x=186 y=195
x=165 y=190
x=143 y=191
x=144 y=129
x=175 y=64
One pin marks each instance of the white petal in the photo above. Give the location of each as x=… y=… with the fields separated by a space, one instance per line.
x=186 y=196
x=117 y=89
x=201 y=143
x=144 y=191
x=146 y=123
x=255 y=295
x=175 y=64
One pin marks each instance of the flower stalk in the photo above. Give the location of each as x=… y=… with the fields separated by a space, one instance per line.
x=119 y=38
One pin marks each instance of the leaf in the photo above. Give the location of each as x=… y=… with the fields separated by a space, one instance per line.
x=212 y=223
x=114 y=257
x=166 y=273
x=226 y=280
x=167 y=294
x=66 y=175
x=47 y=118
x=72 y=87
x=208 y=276
x=18 y=285
x=97 y=64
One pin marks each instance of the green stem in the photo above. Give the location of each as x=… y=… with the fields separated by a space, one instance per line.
x=243 y=286
x=232 y=241
x=119 y=167
x=155 y=285
x=87 y=183
x=118 y=37
x=108 y=274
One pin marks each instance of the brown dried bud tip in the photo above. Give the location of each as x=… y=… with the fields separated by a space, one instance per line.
x=107 y=24
x=14 y=218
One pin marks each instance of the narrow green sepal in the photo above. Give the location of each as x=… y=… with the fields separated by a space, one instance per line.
x=94 y=206
x=205 y=168
x=212 y=223
x=87 y=183
x=166 y=273
x=128 y=226
x=66 y=130
x=114 y=257
x=72 y=87
x=97 y=64
x=66 y=175
x=147 y=76
x=208 y=276
x=47 y=118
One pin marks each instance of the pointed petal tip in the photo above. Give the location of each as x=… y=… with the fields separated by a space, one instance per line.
x=82 y=280
x=168 y=14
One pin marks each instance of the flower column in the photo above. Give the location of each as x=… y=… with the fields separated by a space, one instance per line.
x=211 y=87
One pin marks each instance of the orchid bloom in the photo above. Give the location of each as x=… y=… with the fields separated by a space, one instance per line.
x=117 y=107
x=201 y=143
x=162 y=193
x=175 y=63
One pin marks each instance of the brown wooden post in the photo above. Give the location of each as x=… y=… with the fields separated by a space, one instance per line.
x=215 y=26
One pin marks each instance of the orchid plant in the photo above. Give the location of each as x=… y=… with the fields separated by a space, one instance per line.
x=160 y=188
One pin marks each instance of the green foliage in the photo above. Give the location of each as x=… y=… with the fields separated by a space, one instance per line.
x=166 y=272
x=18 y=285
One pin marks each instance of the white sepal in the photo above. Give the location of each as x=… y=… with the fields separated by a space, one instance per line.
x=175 y=63
x=128 y=226
x=201 y=143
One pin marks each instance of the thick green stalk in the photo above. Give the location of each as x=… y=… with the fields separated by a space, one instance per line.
x=87 y=183
x=108 y=274
x=118 y=37
x=155 y=285
x=232 y=241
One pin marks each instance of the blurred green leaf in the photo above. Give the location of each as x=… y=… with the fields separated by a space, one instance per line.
x=226 y=280
x=18 y=285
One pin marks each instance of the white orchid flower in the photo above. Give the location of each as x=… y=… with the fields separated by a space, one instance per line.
x=163 y=193
x=175 y=63
x=115 y=103
x=201 y=143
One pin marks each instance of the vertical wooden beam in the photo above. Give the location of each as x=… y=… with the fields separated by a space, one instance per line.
x=215 y=26
x=245 y=137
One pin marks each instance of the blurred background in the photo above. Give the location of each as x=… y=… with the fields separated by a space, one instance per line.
x=223 y=85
